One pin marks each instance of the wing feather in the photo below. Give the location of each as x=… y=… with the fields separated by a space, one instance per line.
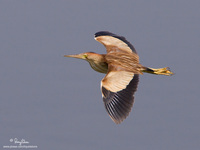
x=114 y=43
x=117 y=80
x=118 y=88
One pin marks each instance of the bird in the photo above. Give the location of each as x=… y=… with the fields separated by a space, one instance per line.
x=122 y=68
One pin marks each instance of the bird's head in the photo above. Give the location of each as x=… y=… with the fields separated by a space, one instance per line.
x=89 y=56
x=96 y=61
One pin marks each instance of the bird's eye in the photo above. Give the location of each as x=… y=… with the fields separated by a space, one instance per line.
x=85 y=56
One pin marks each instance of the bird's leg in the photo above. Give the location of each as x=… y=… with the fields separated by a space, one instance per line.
x=159 y=71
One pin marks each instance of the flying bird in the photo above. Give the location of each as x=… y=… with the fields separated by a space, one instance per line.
x=122 y=68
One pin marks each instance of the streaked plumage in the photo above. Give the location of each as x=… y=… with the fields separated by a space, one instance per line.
x=122 y=68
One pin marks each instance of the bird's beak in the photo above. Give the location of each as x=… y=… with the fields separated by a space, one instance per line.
x=79 y=56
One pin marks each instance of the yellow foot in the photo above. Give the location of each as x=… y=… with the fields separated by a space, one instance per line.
x=162 y=71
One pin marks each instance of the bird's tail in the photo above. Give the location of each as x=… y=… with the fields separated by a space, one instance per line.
x=160 y=71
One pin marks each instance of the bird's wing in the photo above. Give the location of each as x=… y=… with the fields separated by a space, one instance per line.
x=118 y=88
x=114 y=43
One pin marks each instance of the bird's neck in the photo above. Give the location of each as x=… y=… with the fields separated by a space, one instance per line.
x=99 y=64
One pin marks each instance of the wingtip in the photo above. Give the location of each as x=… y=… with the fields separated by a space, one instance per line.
x=103 y=33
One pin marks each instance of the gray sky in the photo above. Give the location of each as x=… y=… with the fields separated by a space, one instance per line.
x=55 y=102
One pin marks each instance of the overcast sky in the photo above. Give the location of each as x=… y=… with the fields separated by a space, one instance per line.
x=55 y=102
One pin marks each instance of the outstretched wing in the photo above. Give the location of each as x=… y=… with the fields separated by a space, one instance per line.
x=114 y=43
x=118 y=88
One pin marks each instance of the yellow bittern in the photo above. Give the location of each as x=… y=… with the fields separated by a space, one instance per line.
x=122 y=68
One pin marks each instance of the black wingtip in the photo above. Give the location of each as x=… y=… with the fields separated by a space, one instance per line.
x=104 y=33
